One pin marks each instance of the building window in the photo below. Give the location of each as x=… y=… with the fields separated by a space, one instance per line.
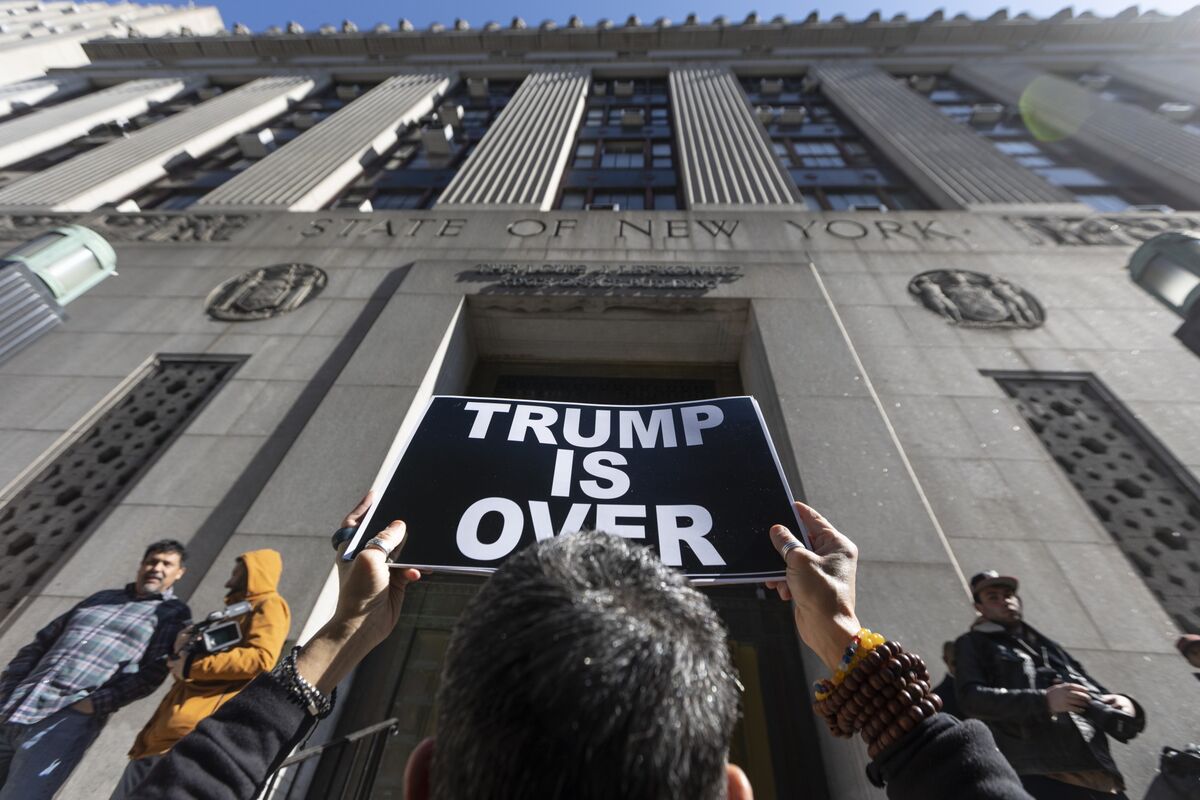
x=1140 y=493
x=835 y=168
x=624 y=156
x=99 y=136
x=187 y=182
x=414 y=172
x=1179 y=112
x=56 y=511
x=1104 y=187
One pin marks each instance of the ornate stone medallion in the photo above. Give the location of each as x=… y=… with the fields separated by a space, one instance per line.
x=265 y=293
x=975 y=300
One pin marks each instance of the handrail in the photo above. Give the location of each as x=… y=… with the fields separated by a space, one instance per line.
x=362 y=733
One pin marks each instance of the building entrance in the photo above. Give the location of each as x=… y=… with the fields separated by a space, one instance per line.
x=776 y=740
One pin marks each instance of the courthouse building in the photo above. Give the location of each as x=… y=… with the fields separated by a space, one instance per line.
x=909 y=239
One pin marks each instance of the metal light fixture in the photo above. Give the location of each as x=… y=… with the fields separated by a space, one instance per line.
x=69 y=259
x=1168 y=268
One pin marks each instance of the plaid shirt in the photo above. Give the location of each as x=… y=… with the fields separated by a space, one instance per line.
x=111 y=648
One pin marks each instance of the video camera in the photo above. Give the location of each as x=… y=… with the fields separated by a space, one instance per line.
x=218 y=631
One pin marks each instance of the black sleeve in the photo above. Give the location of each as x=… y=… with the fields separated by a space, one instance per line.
x=978 y=699
x=944 y=759
x=231 y=754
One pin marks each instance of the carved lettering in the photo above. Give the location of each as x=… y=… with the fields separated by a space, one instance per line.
x=677 y=229
x=928 y=231
x=889 y=226
x=561 y=225
x=858 y=230
x=647 y=231
x=451 y=228
x=524 y=228
x=805 y=228
x=718 y=226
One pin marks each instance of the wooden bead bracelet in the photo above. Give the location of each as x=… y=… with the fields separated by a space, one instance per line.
x=879 y=692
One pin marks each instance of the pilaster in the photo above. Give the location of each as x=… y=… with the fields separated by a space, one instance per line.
x=521 y=159
x=724 y=153
x=310 y=171
x=955 y=167
x=29 y=135
x=1140 y=141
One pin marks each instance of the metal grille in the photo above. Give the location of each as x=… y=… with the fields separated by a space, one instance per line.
x=62 y=505
x=630 y=391
x=1142 y=495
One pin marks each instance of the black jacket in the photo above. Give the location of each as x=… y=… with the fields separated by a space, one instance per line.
x=998 y=681
x=232 y=753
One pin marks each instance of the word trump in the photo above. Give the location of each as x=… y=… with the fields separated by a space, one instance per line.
x=599 y=475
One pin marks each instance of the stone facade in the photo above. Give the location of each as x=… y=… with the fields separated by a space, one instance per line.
x=888 y=416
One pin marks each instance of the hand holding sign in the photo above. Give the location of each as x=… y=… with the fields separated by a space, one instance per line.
x=370 y=597
x=820 y=584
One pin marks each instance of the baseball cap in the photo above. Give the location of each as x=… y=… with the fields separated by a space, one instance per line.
x=991 y=577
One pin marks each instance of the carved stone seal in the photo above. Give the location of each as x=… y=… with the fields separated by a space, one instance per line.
x=265 y=293
x=975 y=300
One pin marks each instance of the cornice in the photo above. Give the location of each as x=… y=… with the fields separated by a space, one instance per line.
x=1150 y=31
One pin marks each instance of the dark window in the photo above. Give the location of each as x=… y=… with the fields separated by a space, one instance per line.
x=624 y=156
x=1179 y=112
x=835 y=168
x=414 y=172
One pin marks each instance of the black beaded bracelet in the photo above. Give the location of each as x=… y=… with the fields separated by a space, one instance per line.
x=300 y=690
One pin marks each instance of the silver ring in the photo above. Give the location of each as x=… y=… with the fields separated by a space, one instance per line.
x=379 y=544
x=789 y=547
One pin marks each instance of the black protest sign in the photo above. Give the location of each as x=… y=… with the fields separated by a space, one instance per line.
x=699 y=482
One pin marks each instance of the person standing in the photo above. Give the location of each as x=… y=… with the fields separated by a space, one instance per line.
x=1050 y=718
x=107 y=651
x=945 y=689
x=205 y=682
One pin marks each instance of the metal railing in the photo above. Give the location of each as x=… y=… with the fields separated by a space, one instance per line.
x=366 y=748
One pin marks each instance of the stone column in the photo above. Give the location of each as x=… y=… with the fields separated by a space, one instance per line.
x=309 y=172
x=30 y=93
x=1138 y=140
x=955 y=167
x=724 y=153
x=116 y=170
x=31 y=134
x=1174 y=80
x=522 y=157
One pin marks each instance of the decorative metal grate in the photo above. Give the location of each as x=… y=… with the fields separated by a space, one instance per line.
x=63 y=504
x=1146 y=499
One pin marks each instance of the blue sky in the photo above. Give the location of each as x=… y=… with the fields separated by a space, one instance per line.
x=258 y=14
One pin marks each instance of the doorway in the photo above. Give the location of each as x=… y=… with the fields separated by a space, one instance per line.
x=775 y=741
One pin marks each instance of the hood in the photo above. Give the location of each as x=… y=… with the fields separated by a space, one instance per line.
x=263 y=568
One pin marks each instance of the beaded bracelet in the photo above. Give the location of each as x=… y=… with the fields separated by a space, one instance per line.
x=877 y=691
x=300 y=690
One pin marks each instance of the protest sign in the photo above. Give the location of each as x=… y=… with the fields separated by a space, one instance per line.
x=480 y=478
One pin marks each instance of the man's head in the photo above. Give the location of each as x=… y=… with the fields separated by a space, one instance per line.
x=996 y=598
x=1189 y=647
x=162 y=565
x=585 y=668
x=237 y=578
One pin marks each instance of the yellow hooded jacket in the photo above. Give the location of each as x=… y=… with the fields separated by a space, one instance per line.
x=215 y=679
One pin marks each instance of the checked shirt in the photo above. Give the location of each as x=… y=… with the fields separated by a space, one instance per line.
x=111 y=647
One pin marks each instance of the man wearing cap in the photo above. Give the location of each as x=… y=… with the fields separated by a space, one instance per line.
x=1049 y=717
